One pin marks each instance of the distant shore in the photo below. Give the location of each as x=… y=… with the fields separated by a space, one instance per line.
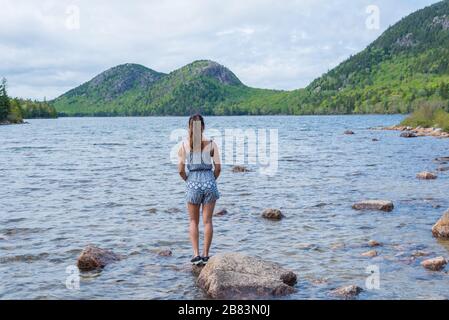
x=411 y=132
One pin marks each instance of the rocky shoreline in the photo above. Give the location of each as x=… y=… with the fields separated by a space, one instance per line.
x=410 y=132
x=7 y=123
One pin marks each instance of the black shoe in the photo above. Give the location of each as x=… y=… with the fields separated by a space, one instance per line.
x=197 y=260
x=205 y=259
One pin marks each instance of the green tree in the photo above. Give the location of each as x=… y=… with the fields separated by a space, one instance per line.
x=4 y=100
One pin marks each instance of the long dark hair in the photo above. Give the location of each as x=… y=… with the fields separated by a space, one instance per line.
x=192 y=119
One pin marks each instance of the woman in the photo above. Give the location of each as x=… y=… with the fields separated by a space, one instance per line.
x=203 y=164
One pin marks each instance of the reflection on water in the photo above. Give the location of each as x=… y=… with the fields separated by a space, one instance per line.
x=108 y=181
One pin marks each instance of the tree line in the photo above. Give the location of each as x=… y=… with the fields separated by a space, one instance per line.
x=14 y=110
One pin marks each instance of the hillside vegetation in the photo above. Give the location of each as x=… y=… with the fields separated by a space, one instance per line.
x=406 y=67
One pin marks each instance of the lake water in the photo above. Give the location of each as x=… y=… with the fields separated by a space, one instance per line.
x=70 y=182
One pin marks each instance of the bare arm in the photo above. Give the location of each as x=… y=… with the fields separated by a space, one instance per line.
x=181 y=163
x=217 y=161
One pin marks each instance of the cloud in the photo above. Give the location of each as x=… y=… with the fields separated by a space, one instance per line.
x=50 y=46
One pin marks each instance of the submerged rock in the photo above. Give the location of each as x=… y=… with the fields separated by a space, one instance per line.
x=382 y=205
x=92 y=258
x=435 y=264
x=349 y=132
x=348 y=292
x=426 y=175
x=374 y=243
x=165 y=253
x=443 y=169
x=221 y=212
x=441 y=228
x=272 y=214
x=408 y=134
x=442 y=159
x=370 y=254
x=239 y=169
x=237 y=276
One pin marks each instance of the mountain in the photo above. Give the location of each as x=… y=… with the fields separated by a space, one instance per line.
x=407 y=66
x=130 y=89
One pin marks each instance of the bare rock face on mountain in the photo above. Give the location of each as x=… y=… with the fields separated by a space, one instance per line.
x=220 y=73
x=237 y=276
x=92 y=258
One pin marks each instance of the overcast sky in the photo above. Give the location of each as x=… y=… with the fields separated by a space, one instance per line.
x=46 y=50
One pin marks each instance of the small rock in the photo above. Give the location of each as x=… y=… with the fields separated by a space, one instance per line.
x=408 y=134
x=152 y=210
x=349 y=132
x=436 y=264
x=237 y=276
x=441 y=228
x=443 y=169
x=272 y=214
x=221 y=212
x=442 y=159
x=348 y=292
x=375 y=140
x=165 y=253
x=239 y=169
x=382 y=205
x=426 y=175
x=419 y=253
x=370 y=254
x=374 y=243
x=92 y=258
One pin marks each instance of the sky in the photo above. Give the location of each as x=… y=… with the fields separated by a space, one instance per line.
x=51 y=46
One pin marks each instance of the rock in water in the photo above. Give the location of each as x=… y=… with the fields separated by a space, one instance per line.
x=374 y=243
x=349 y=132
x=221 y=212
x=408 y=134
x=426 y=176
x=370 y=254
x=165 y=253
x=272 y=214
x=382 y=205
x=92 y=258
x=441 y=228
x=436 y=264
x=239 y=169
x=348 y=292
x=237 y=276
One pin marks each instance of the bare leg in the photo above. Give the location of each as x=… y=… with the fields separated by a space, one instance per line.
x=194 y=214
x=208 y=211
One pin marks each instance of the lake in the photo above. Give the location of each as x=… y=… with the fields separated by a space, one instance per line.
x=70 y=182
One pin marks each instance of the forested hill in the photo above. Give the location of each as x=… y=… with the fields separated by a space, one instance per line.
x=406 y=67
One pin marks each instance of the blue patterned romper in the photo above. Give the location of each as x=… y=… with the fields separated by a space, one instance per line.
x=201 y=187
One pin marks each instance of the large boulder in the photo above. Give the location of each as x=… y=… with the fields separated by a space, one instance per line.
x=237 y=276
x=382 y=205
x=436 y=264
x=441 y=228
x=93 y=258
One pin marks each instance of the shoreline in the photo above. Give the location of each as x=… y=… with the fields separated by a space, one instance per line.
x=8 y=123
x=410 y=132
